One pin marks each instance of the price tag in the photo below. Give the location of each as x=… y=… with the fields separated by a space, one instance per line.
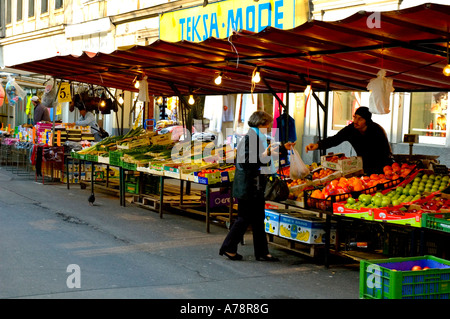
x=64 y=93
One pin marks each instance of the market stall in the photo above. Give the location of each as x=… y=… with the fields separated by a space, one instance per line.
x=412 y=44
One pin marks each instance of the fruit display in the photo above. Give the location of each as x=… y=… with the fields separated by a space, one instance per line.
x=322 y=172
x=336 y=158
x=437 y=204
x=417 y=189
x=396 y=170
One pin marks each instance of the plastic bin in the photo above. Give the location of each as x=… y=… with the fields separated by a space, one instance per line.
x=393 y=278
x=437 y=221
x=114 y=158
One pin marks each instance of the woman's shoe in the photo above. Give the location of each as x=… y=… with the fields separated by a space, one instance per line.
x=232 y=257
x=267 y=258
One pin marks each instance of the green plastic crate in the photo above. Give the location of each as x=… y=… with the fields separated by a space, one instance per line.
x=393 y=278
x=437 y=221
x=129 y=166
x=92 y=158
x=114 y=158
x=132 y=188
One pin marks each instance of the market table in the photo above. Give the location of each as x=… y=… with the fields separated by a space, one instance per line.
x=162 y=177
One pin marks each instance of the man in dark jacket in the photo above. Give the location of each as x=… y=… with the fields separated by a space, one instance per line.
x=368 y=139
x=41 y=112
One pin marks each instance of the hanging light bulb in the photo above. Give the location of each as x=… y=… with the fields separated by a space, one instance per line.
x=218 y=79
x=136 y=84
x=256 y=77
x=191 y=99
x=446 y=69
x=121 y=98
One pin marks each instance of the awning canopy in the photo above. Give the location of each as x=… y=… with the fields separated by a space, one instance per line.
x=411 y=44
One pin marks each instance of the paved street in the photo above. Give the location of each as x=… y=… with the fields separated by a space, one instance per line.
x=54 y=245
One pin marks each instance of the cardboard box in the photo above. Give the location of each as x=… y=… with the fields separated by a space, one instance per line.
x=362 y=213
x=272 y=222
x=217 y=197
x=172 y=170
x=348 y=165
x=392 y=215
x=304 y=228
x=162 y=139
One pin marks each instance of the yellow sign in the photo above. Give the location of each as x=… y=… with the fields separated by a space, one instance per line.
x=221 y=18
x=64 y=93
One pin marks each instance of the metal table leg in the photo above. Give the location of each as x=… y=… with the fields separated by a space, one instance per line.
x=207 y=208
x=161 y=196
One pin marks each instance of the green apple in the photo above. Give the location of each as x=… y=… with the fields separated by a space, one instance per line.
x=377 y=201
x=413 y=191
x=385 y=202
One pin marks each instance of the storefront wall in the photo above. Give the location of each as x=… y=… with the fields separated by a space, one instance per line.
x=396 y=124
x=411 y=113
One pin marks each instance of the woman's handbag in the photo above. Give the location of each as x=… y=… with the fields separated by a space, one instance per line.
x=276 y=189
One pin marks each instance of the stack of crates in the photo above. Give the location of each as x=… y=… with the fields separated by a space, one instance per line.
x=151 y=185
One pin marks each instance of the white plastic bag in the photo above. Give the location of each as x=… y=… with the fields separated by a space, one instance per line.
x=49 y=97
x=13 y=91
x=298 y=168
x=380 y=92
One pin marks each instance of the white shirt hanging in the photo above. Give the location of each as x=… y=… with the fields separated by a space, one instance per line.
x=380 y=91
x=143 y=90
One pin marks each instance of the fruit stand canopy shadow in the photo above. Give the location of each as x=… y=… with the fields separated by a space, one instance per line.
x=411 y=44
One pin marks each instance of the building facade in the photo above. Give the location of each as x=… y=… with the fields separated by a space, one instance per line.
x=37 y=29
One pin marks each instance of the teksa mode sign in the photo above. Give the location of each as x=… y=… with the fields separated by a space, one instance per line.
x=221 y=18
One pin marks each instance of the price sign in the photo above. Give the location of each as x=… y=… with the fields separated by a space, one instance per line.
x=64 y=93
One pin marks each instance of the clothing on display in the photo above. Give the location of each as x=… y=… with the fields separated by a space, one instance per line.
x=380 y=92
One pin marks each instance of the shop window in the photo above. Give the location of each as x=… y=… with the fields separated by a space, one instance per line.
x=58 y=4
x=19 y=10
x=344 y=105
x=2 y=19
x=44 y=6
x=30 y=8
x=8 y=11
x=428 y=116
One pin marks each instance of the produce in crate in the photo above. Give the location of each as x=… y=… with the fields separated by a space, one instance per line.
x=322 y=172
x=436 y=204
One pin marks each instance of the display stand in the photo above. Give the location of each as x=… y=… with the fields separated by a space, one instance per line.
x=155 y=203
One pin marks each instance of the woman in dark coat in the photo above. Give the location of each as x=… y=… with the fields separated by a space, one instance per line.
x=253 y=166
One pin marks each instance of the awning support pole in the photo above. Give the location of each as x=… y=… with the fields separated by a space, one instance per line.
x=185 y=107
x=286 y=115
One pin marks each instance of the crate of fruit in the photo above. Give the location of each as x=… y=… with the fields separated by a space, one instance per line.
x=315 y=199
x=422 y=277
x=340 y=162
